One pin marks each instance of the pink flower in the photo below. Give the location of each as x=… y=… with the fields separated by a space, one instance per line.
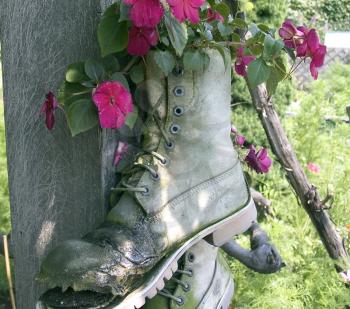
x=292 y=37
x=240 y=139
x=258 y=161
x=48 y=108
x=120 y=151
x=313 y=168
x=145 y=13
x=213 y=15
x=307 y=44
x=242 y=61
x=186 y=9
x=141 y=40
x=114 y=103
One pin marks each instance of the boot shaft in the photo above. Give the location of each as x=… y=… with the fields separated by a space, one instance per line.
x=194 y=111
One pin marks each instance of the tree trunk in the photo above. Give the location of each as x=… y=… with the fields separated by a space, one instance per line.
x=54 y=180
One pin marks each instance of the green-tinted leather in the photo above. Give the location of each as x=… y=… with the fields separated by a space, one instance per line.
x=201 y=184
x=210 y=285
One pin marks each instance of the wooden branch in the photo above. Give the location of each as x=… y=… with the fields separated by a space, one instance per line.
x=307 y=193
x=261 y=201
x=348 y=111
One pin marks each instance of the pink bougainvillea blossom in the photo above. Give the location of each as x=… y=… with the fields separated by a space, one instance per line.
x=141 y=40
x=145 y=13
x=213 y=15
x=242 y=61
x=186 y=9
x=313 y=168
x=48 y=109
x=120 y=151
x=114 y=103
x=258 y=161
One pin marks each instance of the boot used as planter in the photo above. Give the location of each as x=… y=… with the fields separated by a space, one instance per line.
x=187 y=185
x=203 y=281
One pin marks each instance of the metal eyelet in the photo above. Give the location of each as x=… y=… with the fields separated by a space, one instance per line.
x=191 y=257
x=146 y=192
x=187 y=287
x=165 y=162
x=178 y=71
x=169 y=145
x=180 y=301
x=175 y=129
x=190 y=271
x=155 y=177
x=179 y=91
x=178 y=111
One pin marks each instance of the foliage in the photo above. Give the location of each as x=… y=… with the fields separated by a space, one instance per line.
x=180 y=42
x=309 y=280
x=270 y=12
x=333 y=14
x=4 y=193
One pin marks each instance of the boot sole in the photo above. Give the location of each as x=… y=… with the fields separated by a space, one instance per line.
x=227 y=297
x=216 y=234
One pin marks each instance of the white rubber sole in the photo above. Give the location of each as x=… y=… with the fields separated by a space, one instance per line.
x=216 y=234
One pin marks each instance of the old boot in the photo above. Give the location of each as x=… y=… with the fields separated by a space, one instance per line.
x=187 y=185
x=203 y=281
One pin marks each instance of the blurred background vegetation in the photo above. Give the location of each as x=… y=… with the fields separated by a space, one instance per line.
x=309 y=280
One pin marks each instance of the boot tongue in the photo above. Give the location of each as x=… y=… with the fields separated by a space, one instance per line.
x=151 y=138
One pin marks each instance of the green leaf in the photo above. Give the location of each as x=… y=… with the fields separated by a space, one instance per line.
x=110 y=64
x=225 y=30
x=177 y=33
x=272 y=47
x=258 y=72
x=137 y=73
x=275 y=77
x=112 y=34
x=71 y=92
x=196 y=60
x=82 y=116
x=165 y=60
x=240 y=23
x=119 y=77
x=76 y=73
x=223 y=9
x=131 y=118
x=290 y=52
x=94 y=70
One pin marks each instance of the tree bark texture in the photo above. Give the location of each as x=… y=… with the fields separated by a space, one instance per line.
x=306 y=192
x=54 y=179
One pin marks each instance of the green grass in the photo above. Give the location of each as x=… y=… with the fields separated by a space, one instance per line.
x=309 y=280
x=4 y=195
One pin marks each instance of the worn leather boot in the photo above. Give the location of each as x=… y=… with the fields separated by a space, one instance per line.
x=187 y=185
x=203 y=281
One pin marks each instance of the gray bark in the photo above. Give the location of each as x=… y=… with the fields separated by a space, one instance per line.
x=54 y=180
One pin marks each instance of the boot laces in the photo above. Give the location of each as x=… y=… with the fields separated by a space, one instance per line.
x=137 y=166
x=185 y=286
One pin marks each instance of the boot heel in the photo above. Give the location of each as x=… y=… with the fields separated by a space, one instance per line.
x=234 y=225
